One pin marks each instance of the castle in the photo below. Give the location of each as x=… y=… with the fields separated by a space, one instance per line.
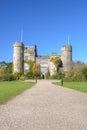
x=22 y=53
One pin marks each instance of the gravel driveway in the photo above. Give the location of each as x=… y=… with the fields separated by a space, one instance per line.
x=45 y=107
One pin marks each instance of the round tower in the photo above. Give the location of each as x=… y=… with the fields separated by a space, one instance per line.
x=18 y=58
x=66 y=57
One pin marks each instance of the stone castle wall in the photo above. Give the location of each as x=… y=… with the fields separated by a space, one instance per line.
x=18 y=57
x=22 y=54
x=66 y=57
x=30 y=53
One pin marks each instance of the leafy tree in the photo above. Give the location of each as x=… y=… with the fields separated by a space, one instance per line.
x=84 y=71
x=77 y=66
x=2 y=70
x=36 y=68
x=29 y=74
x=57 y=61
x=9 y=68
x=30 y=63
x=78 y=72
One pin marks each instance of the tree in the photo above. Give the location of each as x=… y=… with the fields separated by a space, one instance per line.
x=84 y=72
x=78 y=72
x=9 y=68
x=2 y=70
x=57 y=61
x=36 y=68
x=6 y=71
x=30 y=63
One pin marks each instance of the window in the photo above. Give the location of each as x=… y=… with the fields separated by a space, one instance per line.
x=43 y=62
x=26 y=57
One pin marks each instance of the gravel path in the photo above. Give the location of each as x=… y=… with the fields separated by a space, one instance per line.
x=45 y=107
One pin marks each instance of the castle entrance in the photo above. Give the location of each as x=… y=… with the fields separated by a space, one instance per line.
x=44 y=70
x=42 y=76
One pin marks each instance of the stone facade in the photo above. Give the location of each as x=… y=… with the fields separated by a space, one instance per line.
x=22 y=54
x=30 y=53
x=18 y=57
x=66 y=56
x=44 y=64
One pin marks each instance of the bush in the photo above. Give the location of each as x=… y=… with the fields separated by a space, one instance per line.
x=34 y=75
x=29 y=75
x=9 y=77
x=23 y=77
x=2 y=77
x=18 y=74
x=57 y=76
x=67 y=79
x=37 y=75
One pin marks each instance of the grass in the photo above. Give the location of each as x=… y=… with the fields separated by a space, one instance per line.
x=11 y=89
x=80 y=86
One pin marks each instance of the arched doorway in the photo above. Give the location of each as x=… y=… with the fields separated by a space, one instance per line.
x=43 y=76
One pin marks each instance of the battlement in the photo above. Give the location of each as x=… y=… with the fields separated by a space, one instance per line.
x=24 y=53
x=18 y=44
x=66 y=48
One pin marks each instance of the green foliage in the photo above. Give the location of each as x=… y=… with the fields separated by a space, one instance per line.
x=57 y=76
x=10 y=89
x=2 y=71
x=23 y=77
x=37 y=75
x=77 y=73
x=84 y=71
x=2 y=77
x=68 y=79
x=9 y=68
x=17 y=75
x=9 y=77
x=36 y=68
x=6 y=72
x=32 y=75
x=30 y=63
x=57 y=61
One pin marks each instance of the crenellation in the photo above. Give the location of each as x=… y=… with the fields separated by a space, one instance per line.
x=66 y=56
x=22 y=53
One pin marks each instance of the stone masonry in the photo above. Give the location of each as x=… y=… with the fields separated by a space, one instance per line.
x=22 y=53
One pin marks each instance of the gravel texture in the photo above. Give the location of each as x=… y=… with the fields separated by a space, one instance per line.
x=45 y=107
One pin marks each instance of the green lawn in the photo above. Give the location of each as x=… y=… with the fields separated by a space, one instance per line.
x=11 y=89
x=80 y=86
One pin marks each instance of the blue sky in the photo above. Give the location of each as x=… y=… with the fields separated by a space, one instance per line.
x=46 y=23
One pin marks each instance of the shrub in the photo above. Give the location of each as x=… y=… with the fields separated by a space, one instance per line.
x=57 y=76
x=30 y=75
x=67 y=79
x=17 y=75
x=37 y=75
x=9 y=77
x=2 y=77
x=23 y=77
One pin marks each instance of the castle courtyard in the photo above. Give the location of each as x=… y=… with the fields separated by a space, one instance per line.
x=45 y=107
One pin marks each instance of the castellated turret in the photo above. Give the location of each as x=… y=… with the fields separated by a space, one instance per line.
x=18 y=58
x=66 y=57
